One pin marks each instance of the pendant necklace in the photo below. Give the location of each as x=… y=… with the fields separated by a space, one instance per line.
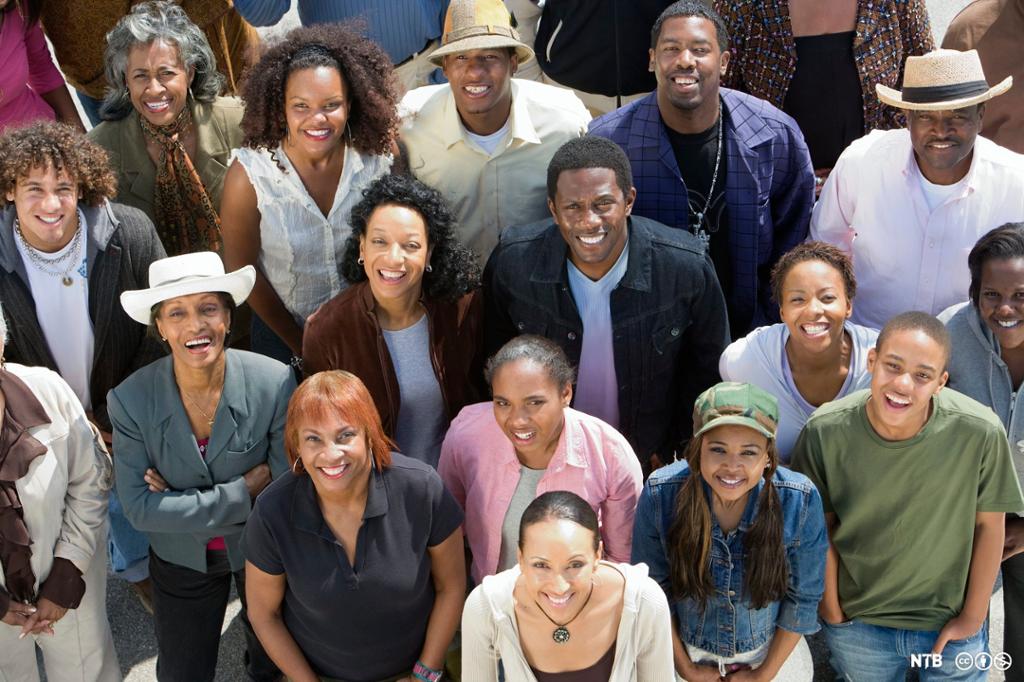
x=697 y=226
x=561 y=632
x=206 y=415
x=45 y=265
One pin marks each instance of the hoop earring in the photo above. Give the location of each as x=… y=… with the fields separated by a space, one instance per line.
x=348 y=132
x=361 y=261
x=429 y=268
x=297 y=467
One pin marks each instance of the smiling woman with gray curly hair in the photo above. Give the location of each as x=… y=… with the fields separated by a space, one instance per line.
x=168 y=132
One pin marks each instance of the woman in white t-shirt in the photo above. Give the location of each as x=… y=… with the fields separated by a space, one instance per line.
x=816 y=354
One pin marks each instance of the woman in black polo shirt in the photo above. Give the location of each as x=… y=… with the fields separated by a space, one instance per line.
x=354 y=560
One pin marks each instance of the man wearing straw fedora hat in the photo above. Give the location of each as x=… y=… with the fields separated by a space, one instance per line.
x=908 y=205
x=484 y=139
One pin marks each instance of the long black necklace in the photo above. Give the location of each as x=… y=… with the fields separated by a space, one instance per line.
x=561 y=632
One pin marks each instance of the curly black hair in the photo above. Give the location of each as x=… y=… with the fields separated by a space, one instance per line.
x=808 y=251
x=48 y=144
x=455 y=270
x=364 y=66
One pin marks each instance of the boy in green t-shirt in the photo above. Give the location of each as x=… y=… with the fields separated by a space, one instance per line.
x=915 y=481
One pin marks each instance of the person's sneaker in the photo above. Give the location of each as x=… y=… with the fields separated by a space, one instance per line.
x=144 y=591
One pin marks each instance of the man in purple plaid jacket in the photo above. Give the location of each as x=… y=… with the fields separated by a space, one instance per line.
x=729 y=167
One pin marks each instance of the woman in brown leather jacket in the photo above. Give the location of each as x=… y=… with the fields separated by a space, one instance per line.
x=410 y=324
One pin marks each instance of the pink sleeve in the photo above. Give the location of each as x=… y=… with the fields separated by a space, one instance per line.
x=43 y=76
x=619 y=507
x=450 y=470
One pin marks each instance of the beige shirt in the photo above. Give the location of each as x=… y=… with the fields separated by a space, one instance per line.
x=489 y=192
x=64 y=493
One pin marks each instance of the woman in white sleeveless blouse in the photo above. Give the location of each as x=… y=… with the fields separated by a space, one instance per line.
x=319 y=127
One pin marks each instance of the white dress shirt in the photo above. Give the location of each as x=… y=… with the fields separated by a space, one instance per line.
x=905 y=256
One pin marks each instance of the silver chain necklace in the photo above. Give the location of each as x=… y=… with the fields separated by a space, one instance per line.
x=44 y=264
x=697 y=226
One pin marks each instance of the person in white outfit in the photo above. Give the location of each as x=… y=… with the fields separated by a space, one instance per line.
x=53 y=526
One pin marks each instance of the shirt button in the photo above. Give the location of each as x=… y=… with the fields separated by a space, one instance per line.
x=675 y=331
x=732 y=593
x=931 y=245
x=572 y=336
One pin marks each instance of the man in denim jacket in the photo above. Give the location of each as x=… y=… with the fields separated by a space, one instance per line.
x=635 y=305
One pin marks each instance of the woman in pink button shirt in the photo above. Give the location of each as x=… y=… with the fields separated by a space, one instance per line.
x=499 y=456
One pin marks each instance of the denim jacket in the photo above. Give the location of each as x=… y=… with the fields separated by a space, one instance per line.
x=728 y=625
x=669 y=322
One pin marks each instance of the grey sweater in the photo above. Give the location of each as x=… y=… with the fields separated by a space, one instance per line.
x=977 y=370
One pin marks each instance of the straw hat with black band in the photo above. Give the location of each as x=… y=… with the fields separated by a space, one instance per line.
x=479 y=25
x=942 y=80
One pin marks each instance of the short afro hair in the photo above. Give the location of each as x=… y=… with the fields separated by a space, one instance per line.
x=364 y=67
x=590 y=151
x=917 y=321
x=813 y=251
x=691 y=8
x=48 y=144
x=1005 y=242
x=454 y=268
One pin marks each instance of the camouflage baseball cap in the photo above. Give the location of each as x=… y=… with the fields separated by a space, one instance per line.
x=734 y=403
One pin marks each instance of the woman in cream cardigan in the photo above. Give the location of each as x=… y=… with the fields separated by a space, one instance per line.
x=563 y=609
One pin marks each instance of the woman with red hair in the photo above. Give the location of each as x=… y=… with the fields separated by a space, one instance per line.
x=355 y=529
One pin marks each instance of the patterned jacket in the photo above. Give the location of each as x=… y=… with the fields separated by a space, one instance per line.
x=769 y=188
x=764 y=53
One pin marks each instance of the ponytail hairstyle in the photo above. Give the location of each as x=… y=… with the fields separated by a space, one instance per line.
x=766 y=578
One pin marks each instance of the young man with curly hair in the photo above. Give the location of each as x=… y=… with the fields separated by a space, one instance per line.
x=66 y=254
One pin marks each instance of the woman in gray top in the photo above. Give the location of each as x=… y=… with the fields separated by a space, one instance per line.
x=987 y=363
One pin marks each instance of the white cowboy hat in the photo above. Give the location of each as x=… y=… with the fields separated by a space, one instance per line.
x=191 y=273
x=942 y=80
x=478 y=25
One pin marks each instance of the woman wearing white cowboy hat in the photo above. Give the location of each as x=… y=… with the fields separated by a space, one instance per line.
x=198 y=435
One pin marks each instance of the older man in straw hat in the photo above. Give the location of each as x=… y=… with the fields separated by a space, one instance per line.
x=484 y=139
x=908 y=205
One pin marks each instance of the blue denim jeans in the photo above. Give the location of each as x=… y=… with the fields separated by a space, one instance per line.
x=871 y=653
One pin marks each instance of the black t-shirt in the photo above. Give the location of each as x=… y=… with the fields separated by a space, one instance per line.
x=366 y=623
x=695 y=155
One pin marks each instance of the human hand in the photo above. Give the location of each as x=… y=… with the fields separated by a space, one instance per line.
x=18 y=613
x=1013 y=544
x=832 y=616
x=744 y=673
x=701 y=673
x=960 y=627
x=256 y=479
x=156 y=482
x=43 y=619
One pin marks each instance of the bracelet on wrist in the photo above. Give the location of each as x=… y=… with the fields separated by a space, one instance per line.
x=425 y=674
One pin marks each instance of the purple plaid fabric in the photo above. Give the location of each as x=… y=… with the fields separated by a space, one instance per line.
x=769 y=187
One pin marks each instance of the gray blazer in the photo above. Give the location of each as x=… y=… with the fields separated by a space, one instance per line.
x=207 y=499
